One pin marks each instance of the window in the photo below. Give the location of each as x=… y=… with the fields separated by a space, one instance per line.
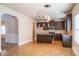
x=76 y=28
x=3 y=29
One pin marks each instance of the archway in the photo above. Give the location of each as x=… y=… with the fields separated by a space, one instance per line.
x=9 y=27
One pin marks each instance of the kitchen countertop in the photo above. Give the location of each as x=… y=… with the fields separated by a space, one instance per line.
x=46 y=32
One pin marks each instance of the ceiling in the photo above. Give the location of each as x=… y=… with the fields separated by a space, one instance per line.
x=37 y=10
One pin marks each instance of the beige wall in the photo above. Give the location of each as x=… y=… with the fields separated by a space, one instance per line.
x=24 y=24
x=0 y=36
x=75 y=46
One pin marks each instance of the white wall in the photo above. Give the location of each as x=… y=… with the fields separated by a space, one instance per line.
x=24 y=24
x=75 y=46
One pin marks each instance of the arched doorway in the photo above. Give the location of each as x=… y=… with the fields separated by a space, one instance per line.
x=9 y=27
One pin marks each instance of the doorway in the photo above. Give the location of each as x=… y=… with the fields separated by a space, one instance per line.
x=9 y=30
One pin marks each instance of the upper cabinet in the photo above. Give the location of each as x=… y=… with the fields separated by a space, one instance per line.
x=68 y=22
x=45 y=26
x=39 y=24
x=65 y=24
x=59 y=25
x=52 y=25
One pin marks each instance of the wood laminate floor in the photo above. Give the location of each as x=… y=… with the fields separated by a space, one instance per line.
x=39 y=49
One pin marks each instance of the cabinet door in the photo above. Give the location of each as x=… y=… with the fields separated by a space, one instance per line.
x=67 y=41
x=52 y=23
x=39 y=24
x=59 y=25
x=68 y=22
x=45 y=27
x=58 y=37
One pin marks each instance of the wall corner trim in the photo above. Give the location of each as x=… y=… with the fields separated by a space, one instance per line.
x=76 y=53
x=21 y=43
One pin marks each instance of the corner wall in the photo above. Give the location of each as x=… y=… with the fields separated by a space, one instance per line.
x=24 y=25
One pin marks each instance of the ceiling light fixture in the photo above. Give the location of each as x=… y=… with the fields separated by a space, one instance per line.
x=47 y=6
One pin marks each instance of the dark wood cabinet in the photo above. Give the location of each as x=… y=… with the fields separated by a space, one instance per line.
x=68 y=22
x=53 y=25
x=59 y=25
x=58 y=37
x=67 y=40
x=39 y=24
x=43 y=38
x=56 y=25
x=45 y=27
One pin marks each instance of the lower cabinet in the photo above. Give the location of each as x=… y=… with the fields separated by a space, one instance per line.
x=44 y=38
x=67 y=40
x=58 y=37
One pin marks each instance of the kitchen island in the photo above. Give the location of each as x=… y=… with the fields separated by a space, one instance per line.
x=44 y=38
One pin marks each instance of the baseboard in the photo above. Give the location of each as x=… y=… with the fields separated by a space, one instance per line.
x=77 y=54
x=24 y=42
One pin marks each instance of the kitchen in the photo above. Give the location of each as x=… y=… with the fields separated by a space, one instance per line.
x=48 y=31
